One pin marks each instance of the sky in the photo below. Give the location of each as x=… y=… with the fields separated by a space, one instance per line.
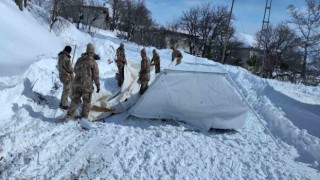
x=34 y=144
x=248 y=13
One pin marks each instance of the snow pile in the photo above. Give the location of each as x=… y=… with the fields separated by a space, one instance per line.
x=22 y=40
x=265 y=100
x=248 y=40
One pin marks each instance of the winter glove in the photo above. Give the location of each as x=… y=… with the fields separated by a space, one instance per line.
x=96 y=57
x=98 y=90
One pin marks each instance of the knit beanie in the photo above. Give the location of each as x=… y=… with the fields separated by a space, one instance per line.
x=90 y=48
x=67 y=49
x=143 y=51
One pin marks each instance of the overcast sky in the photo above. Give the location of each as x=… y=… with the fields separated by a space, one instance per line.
x=248 y=13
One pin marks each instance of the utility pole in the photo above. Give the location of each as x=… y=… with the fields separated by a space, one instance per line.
x=264 y=29
x=227 y=37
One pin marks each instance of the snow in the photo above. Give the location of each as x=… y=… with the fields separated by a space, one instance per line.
x=248 y=40
x=22 y=40
x=34 y=145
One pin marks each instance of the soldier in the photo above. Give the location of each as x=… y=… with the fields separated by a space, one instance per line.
x=176 y=54
x=95 y=56
x=144 y=74
x=156 y=60
x=65 y=75
x=121 y=61
x=87 y=72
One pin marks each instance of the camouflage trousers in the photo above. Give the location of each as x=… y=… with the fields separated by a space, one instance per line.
x=143 y=87
x=178 y=61
x=76 y=96
x=157 y=67
x=66 y=92
x=121 y=75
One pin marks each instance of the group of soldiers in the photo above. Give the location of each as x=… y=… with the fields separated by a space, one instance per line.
x=86 y=72
x=80 y=86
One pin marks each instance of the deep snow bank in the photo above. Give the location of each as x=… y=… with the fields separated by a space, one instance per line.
x=260 y=94
x=22 y=40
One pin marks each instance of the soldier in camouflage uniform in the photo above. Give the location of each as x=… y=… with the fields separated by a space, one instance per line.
x=156 y=60
x=87 y=72
x=121 y=61
x=176 y=54
x=65 y=75
x=144 y=74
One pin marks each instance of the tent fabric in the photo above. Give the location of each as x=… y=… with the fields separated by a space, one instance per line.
x=197 y=94
x=198 y=67
x=125 y=99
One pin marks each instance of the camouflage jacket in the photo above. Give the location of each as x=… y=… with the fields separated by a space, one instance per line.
x=87 y=72
x=145 y=69
x=65 y=67
x=176 y=54
x=155 y=59
x=121 y=57
x=96 y=56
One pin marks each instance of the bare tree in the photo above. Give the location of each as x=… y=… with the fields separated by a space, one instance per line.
x=190 y=21
x=314 y=73
x=174 y=25
x=289 y=53
x=134 y=17
x=206 y=23
x=115 y=8
x=55 y=9
x=126 y=19
x=205 y=27
x=217 y=43
x=281 y=42
x=307 y=22
x=94 y=13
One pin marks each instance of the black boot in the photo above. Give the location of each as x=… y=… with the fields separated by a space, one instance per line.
x=63 y=107
x=120 y=83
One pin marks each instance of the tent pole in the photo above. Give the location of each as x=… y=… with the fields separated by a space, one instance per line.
x=254 y=112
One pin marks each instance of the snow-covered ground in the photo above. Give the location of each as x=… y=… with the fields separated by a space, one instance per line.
x=33 y=145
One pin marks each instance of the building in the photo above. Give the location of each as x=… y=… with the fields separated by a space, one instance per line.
x=165 y=39
x=244 y=54
x=182 y=41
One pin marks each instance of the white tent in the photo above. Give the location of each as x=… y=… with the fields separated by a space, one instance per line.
x=198 y=94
